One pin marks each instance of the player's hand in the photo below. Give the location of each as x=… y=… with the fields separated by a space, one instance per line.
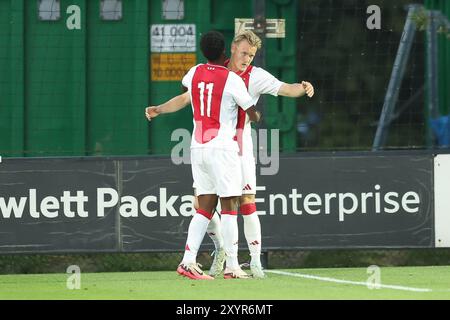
x=309 y=89
x=259 y=116
x=151 y=112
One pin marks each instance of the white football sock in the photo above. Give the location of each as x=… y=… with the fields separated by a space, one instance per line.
x=230 y=239
x=252 y=231
x=215 y=233
x=196 y=232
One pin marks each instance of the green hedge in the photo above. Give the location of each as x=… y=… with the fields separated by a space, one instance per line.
x=123 y=262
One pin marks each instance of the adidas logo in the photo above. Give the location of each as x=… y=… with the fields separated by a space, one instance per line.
x=247 y=187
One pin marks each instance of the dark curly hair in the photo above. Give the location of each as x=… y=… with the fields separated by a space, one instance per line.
x=212 y=45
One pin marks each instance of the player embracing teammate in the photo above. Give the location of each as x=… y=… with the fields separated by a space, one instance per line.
x=215 y=94
x=257 y=81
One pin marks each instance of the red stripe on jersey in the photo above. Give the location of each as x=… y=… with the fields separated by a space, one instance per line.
x=240 y=128
x=208 y=84
x=242 y=115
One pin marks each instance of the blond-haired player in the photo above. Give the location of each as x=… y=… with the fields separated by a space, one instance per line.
x=216 y=94
x=258 y=81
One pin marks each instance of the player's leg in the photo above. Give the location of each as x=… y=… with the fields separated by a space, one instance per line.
x=252 y=225
x=213 y=230
x=231 y=237
x=230 y=230
x=207 y=201
x=198 y=225
x=215 y=233
x=229 y=188
x=196 y=232
x=252 y=231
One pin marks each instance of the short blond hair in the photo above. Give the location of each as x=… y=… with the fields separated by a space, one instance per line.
x=250 y=37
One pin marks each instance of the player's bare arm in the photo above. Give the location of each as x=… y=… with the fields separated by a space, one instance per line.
x=173 y=105
x=296 y=90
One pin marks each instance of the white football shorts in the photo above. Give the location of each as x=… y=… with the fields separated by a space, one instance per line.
x=216 y=171
x=248 y=174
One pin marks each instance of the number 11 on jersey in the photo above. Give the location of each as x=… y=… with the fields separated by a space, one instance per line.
x=209 y=88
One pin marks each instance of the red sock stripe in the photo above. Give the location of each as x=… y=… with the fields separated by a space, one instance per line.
x=233 y=213
x=248 y=208
x=205 y=214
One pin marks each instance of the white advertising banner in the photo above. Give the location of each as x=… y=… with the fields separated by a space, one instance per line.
x=442 y=200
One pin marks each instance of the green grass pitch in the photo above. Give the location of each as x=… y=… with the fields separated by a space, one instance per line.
x=317 y=284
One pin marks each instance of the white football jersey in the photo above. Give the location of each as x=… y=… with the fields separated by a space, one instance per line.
x=216 y=94
x=258 y=82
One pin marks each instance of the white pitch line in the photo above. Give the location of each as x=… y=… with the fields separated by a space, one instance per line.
x=358 y=283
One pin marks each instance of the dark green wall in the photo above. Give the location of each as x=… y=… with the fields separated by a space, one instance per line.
x=11 y=78
x=83 y=92
x=443 y=57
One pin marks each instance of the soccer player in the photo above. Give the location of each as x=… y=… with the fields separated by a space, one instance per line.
x=215 y=94
x=258 y=81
